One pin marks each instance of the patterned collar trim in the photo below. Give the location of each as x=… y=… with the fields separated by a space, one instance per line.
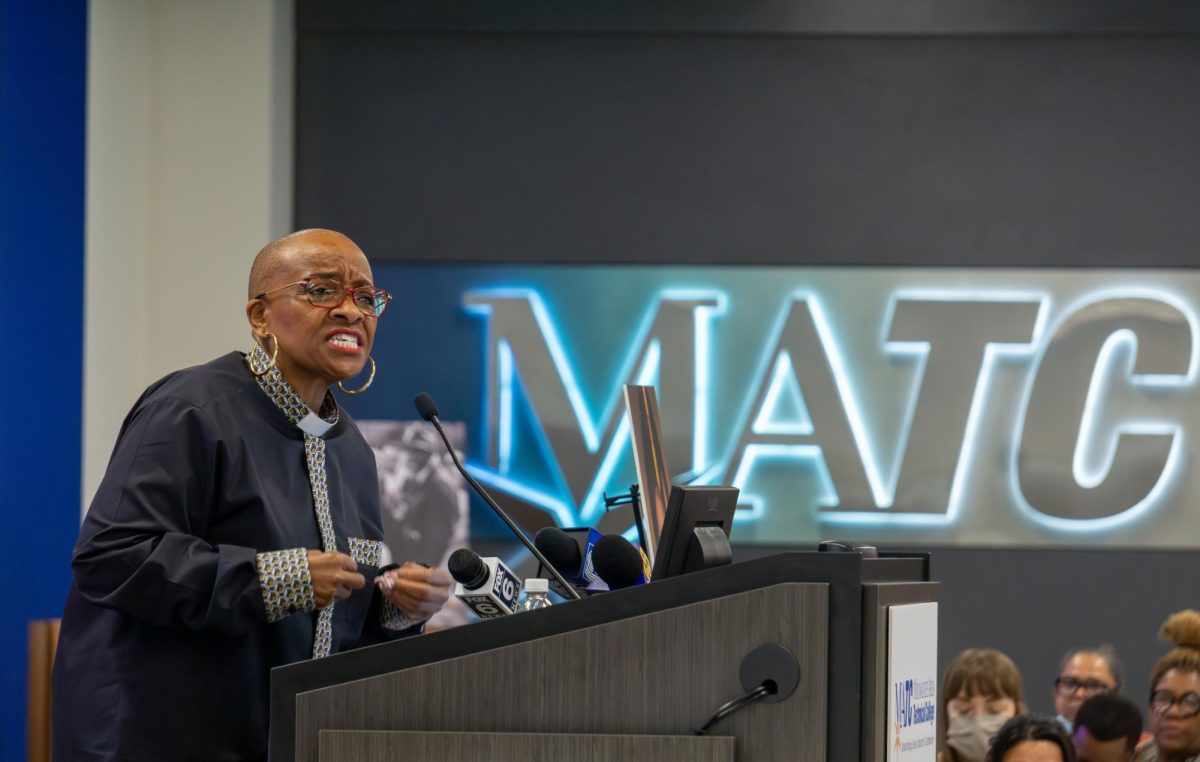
x=289 y=403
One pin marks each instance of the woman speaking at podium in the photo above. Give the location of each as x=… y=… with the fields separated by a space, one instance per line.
x=236 y=529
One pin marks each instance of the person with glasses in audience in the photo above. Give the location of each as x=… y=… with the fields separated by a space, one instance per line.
x=1083 y=673
x=1107 y=729
x=1175 y=694
x=236 y=529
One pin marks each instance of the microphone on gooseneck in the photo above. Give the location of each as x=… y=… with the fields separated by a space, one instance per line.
x=428 y=410
x=485 y=585
x=426 y=407
x=618 y=562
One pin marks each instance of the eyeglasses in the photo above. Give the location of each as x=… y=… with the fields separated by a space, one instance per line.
x=1162 y=701
x=1068 y=685
x=329 y=293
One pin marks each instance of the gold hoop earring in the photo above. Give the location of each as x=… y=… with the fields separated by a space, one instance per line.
x=257 y=350
x=364 y=387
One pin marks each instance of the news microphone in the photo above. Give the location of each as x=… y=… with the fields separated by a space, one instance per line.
x=560 y=549
x=485 y=585
x=618 y=562
x=428 y=410
x=565 y=551
x=569 y=551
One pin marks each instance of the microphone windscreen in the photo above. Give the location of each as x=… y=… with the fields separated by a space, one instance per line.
x=616 y=561
x=560 y=549
x=426 y=407
x=467 y=568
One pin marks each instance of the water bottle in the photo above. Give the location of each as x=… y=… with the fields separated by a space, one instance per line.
x=537 y=595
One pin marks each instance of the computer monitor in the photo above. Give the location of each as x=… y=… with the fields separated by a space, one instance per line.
x=695 y=531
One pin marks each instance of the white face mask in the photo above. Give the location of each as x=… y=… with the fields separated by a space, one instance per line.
x=968 y=736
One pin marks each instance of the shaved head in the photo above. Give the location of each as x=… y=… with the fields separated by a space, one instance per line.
x=276 y=256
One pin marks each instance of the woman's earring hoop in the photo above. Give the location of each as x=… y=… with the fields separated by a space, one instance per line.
x=257 y=349
x=364 y=387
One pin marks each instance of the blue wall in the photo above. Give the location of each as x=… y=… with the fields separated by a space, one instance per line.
x=43 y=76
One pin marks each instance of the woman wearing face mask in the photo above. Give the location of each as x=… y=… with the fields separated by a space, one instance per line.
x=1175 y=694
x=981 y=690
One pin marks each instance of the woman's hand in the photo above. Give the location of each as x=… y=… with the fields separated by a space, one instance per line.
x=419 y=591
x=334 y=575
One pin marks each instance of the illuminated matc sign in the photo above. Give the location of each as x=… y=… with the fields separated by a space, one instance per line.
x=894 y=403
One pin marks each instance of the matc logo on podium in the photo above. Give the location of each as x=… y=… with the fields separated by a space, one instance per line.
x=912 y=682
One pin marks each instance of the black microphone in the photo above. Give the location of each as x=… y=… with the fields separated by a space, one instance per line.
x=426 y=407
x=485 y=585
x=428 y=410
x=564 y=552
x=468 y=568
x=617 y=562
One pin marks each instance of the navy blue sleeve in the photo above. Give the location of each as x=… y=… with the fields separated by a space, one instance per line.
x=141 y=549
x=385 y=622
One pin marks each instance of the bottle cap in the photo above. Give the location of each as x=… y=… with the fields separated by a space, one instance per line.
x=535 y=585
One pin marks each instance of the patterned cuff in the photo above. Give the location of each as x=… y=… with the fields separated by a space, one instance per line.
x=365 y=552
x=286 y=582
x=392 y=618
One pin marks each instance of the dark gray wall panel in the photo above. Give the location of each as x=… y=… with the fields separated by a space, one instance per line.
x=1036 y=604
x=1020 y=151
x=755 y=16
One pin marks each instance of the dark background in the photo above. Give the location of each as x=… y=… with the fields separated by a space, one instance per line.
x=857 y=132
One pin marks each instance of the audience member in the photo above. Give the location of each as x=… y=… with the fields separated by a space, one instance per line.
x=980 y=691
x=1083 y=673
x=1175 y=694
x=1031 y=738
x=1107 y=729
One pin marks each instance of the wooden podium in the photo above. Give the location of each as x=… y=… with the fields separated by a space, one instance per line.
x=623 y=676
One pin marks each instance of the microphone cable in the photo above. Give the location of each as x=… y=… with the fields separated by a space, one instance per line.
x=732 y=707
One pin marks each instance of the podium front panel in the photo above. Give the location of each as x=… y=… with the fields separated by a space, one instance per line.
x=661 y=673
x=387 y=746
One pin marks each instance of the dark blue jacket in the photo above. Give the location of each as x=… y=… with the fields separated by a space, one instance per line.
x=165 y=651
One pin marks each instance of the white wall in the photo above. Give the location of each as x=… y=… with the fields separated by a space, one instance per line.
x=189 y=174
